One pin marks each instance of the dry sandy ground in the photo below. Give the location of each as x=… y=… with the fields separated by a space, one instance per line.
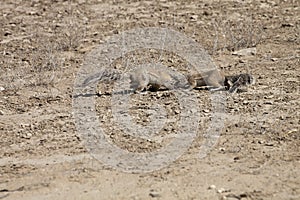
x=43 y=44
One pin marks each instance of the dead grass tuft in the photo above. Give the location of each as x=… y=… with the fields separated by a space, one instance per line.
x=235 y=35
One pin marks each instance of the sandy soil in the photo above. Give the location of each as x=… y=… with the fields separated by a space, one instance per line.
x=43 y=44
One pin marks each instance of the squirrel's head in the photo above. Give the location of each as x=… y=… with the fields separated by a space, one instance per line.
x=248 y=79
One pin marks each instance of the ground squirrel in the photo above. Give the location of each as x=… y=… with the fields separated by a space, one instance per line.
x=155 y=78
x=141 y=79
x=216 y=80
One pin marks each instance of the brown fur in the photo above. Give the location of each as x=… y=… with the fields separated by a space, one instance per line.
x=141 y=79
x=218 y=81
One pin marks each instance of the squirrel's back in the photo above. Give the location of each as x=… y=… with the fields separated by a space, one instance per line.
x=106 y=75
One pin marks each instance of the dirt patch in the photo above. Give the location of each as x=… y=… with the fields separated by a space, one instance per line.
x=43 y=44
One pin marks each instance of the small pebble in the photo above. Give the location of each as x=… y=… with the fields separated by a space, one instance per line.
x=194 y=18
x=287 y=25
x=269 y=102
x=212 y=187
x=245 y=102
x=177 y=111
x=245 y=52
x=222 y=149
x=154 y=194
x=269 y=97
x=221 y=190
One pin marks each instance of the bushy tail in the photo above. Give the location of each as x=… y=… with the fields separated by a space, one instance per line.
x=105 y=75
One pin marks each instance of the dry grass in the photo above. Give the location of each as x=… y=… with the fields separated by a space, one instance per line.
x=37 y=59
x=234 y=35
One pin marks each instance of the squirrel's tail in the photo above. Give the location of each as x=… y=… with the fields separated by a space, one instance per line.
x=105 y=75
